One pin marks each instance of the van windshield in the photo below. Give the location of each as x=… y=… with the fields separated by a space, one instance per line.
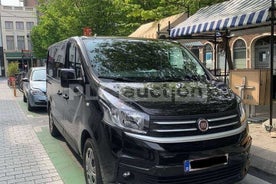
x=142 y=60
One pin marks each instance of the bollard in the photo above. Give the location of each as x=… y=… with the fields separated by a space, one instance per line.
x=14 y=88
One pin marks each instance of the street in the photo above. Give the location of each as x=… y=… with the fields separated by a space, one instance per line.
x=30 y=155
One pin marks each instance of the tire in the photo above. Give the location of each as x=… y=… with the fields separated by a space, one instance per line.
x=91 y=166
x=52 y=127
x=20 y=86
x=24 y=98
x=30 y=108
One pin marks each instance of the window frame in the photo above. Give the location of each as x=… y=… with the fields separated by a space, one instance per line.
x=9 y=25
x=21 y=42
x=19 y=25
x=239 y=47
x=29 y=25
x=10 y=42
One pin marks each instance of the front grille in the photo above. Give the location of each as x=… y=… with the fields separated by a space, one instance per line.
x=226 y=174
x=41 y=102
x=188 y=126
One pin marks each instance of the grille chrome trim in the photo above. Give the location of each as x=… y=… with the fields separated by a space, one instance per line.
x=224 y=125
x=174 y=122
x=222 y=118
x=168 y=140
x=175 y=130
x=191 y=125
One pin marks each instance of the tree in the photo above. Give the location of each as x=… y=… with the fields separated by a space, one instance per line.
x=60 y=19
x=12 y=69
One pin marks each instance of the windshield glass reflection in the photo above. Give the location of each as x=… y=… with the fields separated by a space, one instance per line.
x=132 y=60
x=39 y=75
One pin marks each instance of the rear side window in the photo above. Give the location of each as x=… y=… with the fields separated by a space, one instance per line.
x=56 y=59
x=75 y=59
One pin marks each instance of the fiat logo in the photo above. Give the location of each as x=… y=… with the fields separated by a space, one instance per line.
x=203 y=125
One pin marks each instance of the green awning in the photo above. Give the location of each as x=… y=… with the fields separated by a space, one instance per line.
x=13 y=55
x=17 y=55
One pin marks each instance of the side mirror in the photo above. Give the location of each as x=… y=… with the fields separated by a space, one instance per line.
x=65 y=76
x=25 y=79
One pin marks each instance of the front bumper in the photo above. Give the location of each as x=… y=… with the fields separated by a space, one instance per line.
x=38 y=100
x=146 y=162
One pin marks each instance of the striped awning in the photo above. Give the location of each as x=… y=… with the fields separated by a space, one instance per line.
x=226 y=15
x=193 y=44
x=150 y=29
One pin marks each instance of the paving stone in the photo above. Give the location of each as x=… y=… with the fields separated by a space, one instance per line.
x=23 y=159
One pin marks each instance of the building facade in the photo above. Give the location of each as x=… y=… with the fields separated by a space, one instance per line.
x=235 y=34
x=30 y=3
x=250 y=49
x=16 y=25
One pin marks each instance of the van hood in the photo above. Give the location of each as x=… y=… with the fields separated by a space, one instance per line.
x=174 y=98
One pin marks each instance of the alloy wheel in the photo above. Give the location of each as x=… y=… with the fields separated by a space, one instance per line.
x=90 y=166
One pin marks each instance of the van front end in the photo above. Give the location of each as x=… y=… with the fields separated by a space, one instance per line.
x=222 y=160
x=188 y=148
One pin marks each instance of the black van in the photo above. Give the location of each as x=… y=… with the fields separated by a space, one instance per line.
x=145 y=111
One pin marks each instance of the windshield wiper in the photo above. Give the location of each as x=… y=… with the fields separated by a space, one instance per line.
x=121 y=79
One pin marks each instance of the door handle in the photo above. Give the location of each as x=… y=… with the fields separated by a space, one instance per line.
x=65 y=96
x=48 y=81
x=59 y=92
x=78 y=90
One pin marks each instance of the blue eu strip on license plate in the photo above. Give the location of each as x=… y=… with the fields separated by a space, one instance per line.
x=187 y=166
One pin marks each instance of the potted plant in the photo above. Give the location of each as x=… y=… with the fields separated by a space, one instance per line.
x=12 y=71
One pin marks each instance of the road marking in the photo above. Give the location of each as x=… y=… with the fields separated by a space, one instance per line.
x=39 y=128
x=67 y=168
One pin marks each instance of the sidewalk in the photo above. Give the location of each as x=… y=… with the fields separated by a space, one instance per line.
x=263 y=150
x=23 y=159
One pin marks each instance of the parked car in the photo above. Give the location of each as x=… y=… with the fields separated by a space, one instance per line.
x=34 y=88
x=145 y=111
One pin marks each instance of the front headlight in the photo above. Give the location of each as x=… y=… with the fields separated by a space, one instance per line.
x=117 y=113
x=36 y=92
x=241 y=110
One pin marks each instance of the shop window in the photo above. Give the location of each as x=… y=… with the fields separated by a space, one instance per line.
x=262 y=53
x=208 y=56
x=239 y=57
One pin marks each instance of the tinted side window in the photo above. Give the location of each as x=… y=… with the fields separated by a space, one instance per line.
x=56 y=59
x=75 y=60
x=50 y=62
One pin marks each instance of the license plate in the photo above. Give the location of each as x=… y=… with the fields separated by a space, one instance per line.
x=187 y=166
x=205 y=163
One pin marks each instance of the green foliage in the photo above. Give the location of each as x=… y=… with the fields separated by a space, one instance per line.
x=13 y=69
x=60 y=19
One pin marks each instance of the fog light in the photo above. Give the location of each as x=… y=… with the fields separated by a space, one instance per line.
x=126 y=174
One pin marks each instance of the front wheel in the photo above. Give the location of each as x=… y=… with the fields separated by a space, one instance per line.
x=52 y=127
x=91 y=163
x=24 y=98
x=30 y=107
x=20 y=86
